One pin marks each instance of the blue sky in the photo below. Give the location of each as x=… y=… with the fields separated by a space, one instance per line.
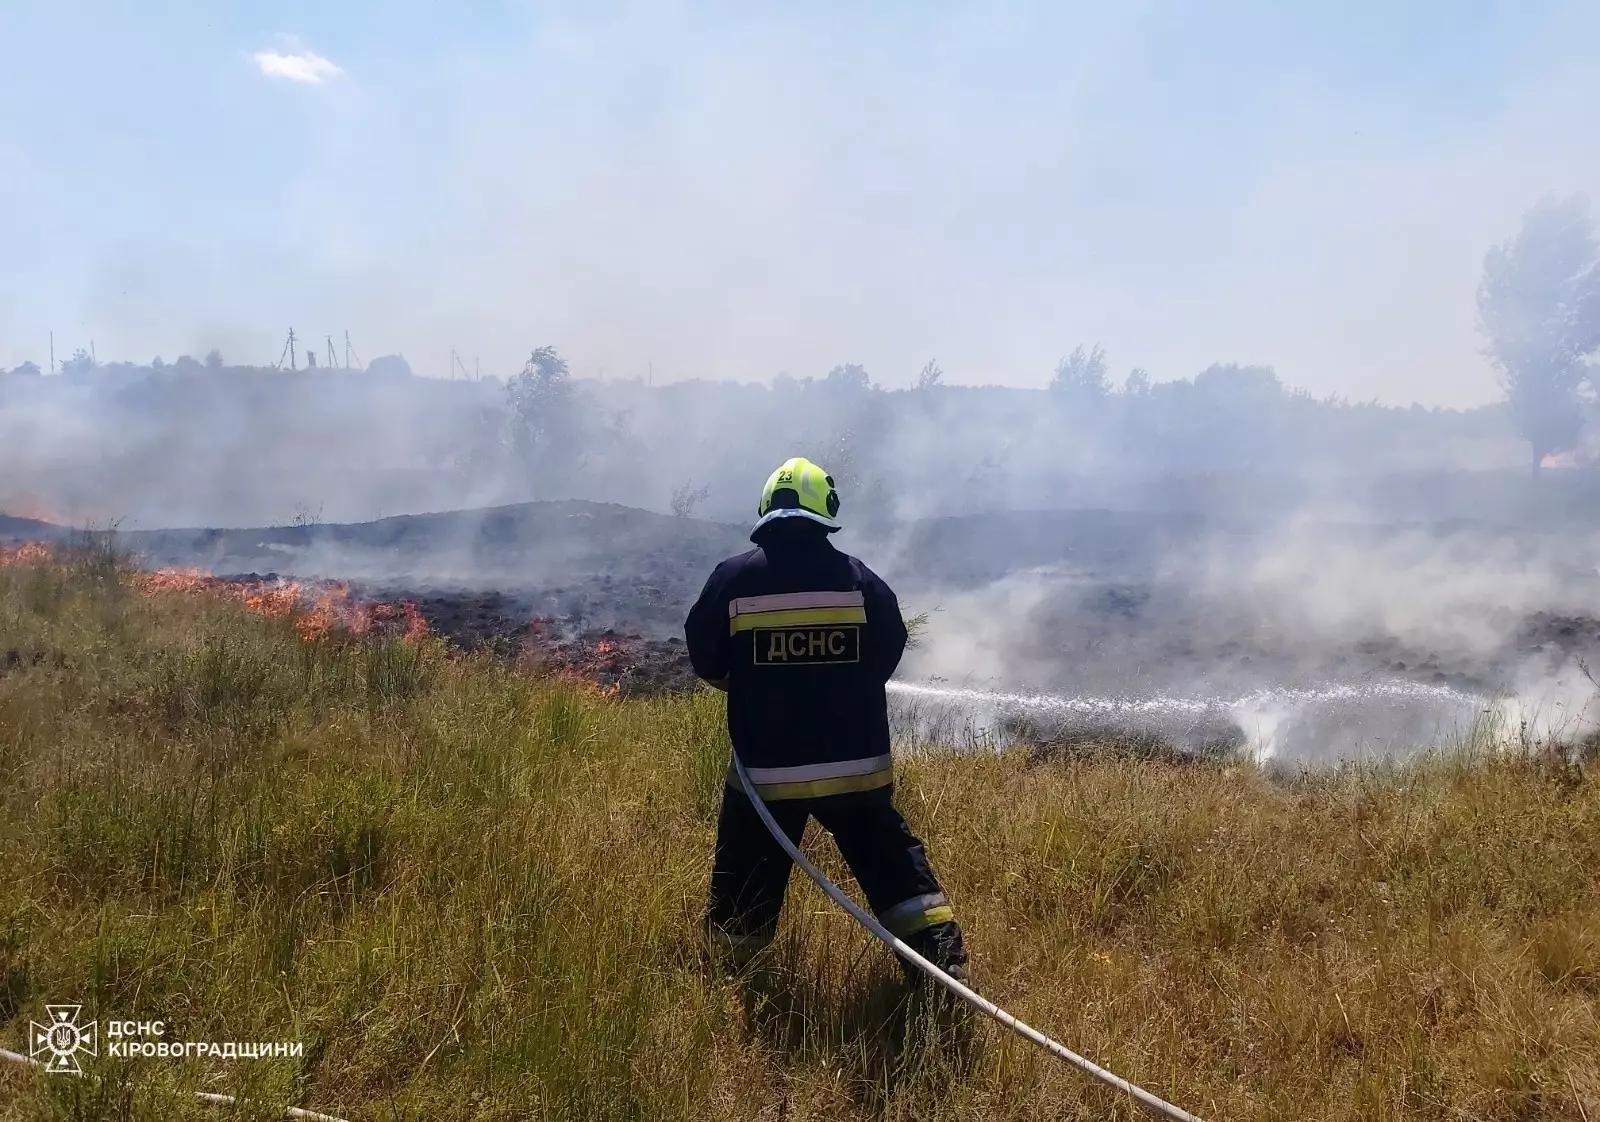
x=735 y=190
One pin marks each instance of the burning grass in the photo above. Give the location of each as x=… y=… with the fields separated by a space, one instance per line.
x=28 y=553
x=473 y=893
x=316 y=609
x=622 y=665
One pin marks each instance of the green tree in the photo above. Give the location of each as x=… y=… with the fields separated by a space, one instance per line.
x=1082 y=375
x=543 y=414
x=1539 y=309
x=1230 y=383
x=389 y=366
x=81 y=362
x=849 y=377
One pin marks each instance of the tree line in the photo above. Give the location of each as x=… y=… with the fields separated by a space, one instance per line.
x=1538 y=306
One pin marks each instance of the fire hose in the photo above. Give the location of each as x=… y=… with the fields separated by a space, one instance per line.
x=1154 y=1104
x=1145 y=1099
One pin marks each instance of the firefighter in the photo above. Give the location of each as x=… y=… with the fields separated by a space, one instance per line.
x=803 y=638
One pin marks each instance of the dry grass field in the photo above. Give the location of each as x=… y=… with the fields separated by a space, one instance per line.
x=474 y=894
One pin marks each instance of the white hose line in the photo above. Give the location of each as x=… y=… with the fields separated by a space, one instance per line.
x=1150 y=1102
x=203 y=1096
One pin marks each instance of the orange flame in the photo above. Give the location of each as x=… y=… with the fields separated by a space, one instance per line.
x=28 y=553
x=599 y=665
x=317 y=610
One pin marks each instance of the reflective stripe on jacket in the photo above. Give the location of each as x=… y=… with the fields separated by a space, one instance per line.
x=809 y=781
x=804 y=636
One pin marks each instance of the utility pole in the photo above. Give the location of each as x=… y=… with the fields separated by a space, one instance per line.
x=348 y=350
x=94 y=355
x=333 y=361
x=288 y=349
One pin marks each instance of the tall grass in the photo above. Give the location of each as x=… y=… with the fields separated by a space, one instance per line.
x=471 y=894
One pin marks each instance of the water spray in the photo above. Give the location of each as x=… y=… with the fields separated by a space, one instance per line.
x=1332 y=720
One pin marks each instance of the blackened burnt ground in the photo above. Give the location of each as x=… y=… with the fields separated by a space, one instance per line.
x=1104 y=602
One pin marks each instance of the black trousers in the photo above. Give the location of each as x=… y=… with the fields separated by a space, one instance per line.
x=750 y=871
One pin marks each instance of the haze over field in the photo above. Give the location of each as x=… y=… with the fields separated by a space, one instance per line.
x=734 y=192
x=1290 y=319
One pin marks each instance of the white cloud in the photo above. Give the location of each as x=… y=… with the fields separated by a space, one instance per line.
x=303 y=66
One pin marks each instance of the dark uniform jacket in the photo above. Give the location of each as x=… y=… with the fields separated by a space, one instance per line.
x=804 y=637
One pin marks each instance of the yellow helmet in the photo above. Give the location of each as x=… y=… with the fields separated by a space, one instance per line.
x=799 y=489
